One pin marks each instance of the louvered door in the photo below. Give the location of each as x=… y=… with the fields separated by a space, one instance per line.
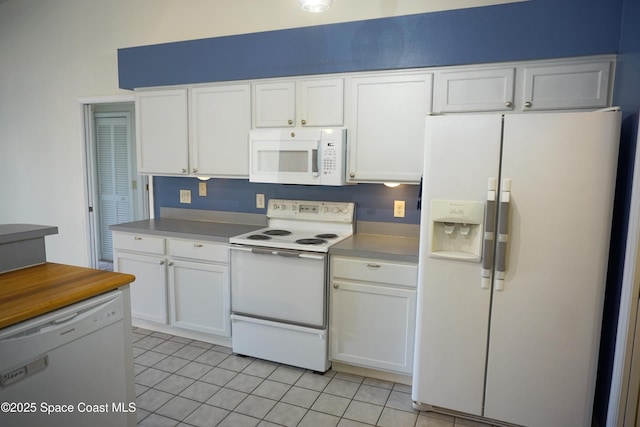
x=114 y=178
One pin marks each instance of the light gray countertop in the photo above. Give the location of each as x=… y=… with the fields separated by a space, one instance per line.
x=186 y=229
x=387 y=241
x=15 y=232
x=392 y=248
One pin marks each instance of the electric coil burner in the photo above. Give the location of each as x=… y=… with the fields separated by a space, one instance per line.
x=302 y=225
x=279 y=282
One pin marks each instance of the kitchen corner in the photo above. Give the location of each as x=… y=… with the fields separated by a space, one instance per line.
x=61 y=323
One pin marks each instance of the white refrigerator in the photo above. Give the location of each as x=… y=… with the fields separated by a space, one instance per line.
x=515 y=227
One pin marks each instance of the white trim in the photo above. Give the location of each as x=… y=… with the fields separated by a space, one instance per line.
x=109 y=99
x=84 y=105
x=620 y=392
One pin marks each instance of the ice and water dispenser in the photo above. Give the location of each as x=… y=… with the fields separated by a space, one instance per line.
x=457 y=230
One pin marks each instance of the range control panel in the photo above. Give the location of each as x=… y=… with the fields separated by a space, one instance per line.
x=311 y=210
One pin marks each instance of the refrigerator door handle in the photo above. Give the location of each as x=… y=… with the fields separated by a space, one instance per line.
x=503 y=234
x=489 y=234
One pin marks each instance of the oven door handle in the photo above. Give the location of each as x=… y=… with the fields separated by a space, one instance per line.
x=295 y=254
x=259 y=251
x=290 y=254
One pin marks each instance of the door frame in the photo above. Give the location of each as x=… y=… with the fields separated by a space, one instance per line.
x=624 y=392
x=89 y=169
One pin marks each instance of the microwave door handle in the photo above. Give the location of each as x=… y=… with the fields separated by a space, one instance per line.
x=315 y=161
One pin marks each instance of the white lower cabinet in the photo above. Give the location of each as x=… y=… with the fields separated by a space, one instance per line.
x=199 y=297
x=180 y=283
x=149 y=293
x=372 y=314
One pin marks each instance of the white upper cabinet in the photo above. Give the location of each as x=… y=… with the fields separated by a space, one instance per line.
x=202 y=131
x=474 y=90
x=386 y=127
x=312 y=102
x=566 y=86
x=162 y=131
x=321 y=102
x=518 y=87
x=220 y=124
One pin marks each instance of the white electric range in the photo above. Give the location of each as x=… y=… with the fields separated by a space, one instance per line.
x=279 y=280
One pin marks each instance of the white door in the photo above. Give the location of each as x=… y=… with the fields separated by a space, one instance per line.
x=462 y=153
x=278 y=287
x=113 y=140
x=545 y=324
x=386 y=127
x=149 y=290
x=321 y=102
x=162 y=132
x=220 y=124
x=199 y=297
x=363 y=316
x=274 y=104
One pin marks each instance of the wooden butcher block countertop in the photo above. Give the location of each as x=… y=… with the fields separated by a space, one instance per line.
x=33 y=291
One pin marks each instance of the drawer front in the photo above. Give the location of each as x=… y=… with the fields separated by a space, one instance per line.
x=139 y=243
x=372 y=270
x=194 y=249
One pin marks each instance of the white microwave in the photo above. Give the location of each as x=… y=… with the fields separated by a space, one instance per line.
x=310 y=156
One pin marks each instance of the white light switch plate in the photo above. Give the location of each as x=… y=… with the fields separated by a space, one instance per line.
x=185 y=196
x=260 y=201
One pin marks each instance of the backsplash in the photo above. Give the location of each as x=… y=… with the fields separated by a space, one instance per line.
x=374 y=201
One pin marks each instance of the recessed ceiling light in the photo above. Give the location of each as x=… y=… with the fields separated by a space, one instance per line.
x=315 y=5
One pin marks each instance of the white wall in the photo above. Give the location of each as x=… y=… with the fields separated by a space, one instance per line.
x=53 y=52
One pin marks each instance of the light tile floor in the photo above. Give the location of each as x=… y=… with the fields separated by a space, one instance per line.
x=181 y=382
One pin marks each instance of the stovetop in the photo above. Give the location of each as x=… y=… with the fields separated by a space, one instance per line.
x=302 y=225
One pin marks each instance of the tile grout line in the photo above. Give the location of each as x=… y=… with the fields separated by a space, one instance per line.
x=330 y=376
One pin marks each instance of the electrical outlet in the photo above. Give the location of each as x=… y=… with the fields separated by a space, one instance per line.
x=260 y=201
x=202 y=189
x=185 y=196
x=398 y=208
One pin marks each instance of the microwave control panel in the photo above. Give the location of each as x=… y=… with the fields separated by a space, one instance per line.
x=329 y=158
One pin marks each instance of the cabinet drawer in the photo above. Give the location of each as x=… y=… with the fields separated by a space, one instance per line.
x=199 y=250
x=139 y=243
x=371 y=270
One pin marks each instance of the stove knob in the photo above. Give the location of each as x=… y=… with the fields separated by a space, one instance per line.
x=336 y=210
x=325 y=209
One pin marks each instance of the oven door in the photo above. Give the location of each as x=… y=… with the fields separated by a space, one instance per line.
x=284 y=162
x=281 y=285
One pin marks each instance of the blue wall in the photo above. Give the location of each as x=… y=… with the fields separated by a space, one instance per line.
x=528 y=30
x=536 y=29
x=374 y=201
x=627 y=96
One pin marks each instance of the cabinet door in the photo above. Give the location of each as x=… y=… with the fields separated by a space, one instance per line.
x=199 y=297
x=566 y=86
x=386 y=127
x=220 y=124
x=321 y=102
x=275 y=104
x=148 y=291
x=474 y=90
x=162 y=132
x=373 y=325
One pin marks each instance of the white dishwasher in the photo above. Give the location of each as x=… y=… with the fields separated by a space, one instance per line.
x=71 y=367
